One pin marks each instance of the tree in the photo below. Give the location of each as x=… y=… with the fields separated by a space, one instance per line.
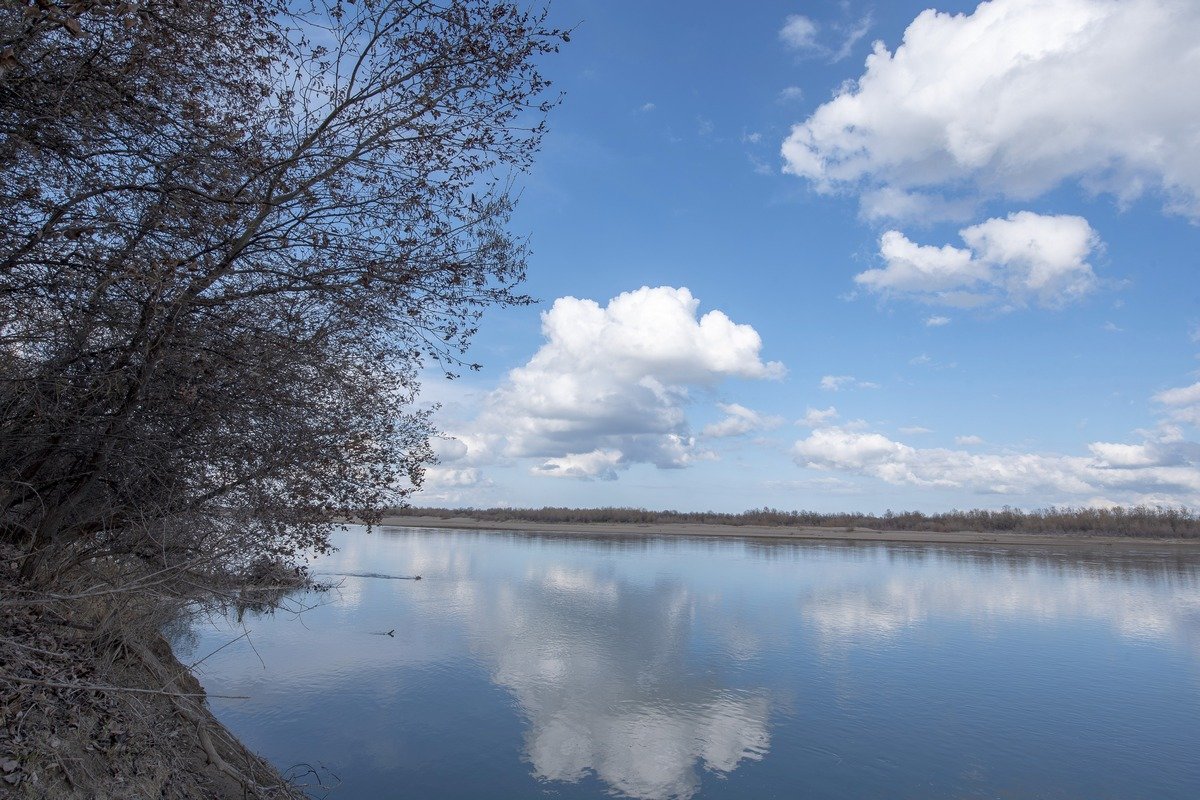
x=235 y=231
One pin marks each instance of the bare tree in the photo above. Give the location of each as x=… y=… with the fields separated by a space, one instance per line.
x=234 y=231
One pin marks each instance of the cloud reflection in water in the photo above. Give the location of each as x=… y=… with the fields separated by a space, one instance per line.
x=648 y=667
x=599 y=669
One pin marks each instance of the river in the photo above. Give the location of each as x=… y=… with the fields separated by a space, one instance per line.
x=670 y=667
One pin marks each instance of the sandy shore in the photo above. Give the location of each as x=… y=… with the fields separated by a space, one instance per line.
x=794 y=534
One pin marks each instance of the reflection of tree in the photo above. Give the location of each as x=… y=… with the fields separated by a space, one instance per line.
x=599 y=668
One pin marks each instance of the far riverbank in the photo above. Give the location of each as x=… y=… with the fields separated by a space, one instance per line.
x=793 y=533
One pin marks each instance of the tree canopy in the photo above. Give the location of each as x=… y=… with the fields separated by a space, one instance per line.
x=234 y=233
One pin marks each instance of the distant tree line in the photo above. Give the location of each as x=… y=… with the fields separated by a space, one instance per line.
x=1139 y=521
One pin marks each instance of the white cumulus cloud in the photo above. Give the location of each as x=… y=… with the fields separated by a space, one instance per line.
x=1023 y=258
x=1012 y=100
x=1163 y=469
x=1115 y=454
x=1154 y=471
x=739 y=420
x=442 y=477
x=799 y=32
x=835 y=383
x=818 y=417
x=1182 y=403
x=452 y=484
x=600 y=464
x=1180 y=397
x=609 y=386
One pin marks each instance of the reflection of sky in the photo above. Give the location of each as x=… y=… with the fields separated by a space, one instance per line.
x=598 y=667
x=672 y=668
x=859 y=602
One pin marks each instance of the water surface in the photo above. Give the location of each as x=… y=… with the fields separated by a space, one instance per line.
x=664 y=667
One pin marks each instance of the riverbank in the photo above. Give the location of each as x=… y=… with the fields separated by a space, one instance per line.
x=83 y=728
x=796 y=533
x=94 y=704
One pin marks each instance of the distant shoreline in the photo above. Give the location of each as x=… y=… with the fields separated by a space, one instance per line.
x=796 y=533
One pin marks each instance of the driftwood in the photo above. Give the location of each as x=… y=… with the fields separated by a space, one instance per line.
x=379 y=575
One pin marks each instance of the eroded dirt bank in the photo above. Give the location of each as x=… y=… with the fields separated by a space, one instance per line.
x=93 y=704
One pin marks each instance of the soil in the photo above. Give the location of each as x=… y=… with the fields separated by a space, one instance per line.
x=89 y=709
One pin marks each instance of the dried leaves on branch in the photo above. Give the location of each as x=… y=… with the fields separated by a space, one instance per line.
x=234 y=233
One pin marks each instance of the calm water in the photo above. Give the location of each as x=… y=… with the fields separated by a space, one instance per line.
x=530 y=666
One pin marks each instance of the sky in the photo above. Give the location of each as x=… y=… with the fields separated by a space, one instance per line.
x=849 y=256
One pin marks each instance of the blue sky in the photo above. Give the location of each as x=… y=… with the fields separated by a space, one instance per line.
x=961 y=273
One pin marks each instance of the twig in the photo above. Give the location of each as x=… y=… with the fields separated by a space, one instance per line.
x=15 y=643
x=95 y=687
x=252 y=647
x=195 y=664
